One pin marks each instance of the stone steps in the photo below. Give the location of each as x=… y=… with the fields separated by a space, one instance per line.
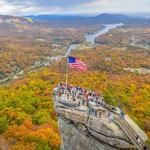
x=129 y=131
x=141 y=142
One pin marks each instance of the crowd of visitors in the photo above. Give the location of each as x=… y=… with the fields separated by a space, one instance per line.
x=86 y=97
x=78 y=92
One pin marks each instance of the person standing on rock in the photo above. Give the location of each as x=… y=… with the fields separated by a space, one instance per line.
x=99 y=114
x=122 y=114
x=111 y=117
x=145 y=147
x=74 y=93
x=68 y=95
x=79 y=103
x=59 y=94
x=138 y=139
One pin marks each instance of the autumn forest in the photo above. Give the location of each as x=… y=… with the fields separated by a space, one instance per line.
x=118 y=70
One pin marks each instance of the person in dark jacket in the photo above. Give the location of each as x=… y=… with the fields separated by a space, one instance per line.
x=145 y=147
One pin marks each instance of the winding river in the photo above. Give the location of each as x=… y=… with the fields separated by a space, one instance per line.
x=90 y=38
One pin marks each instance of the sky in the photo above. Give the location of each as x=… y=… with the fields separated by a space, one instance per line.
x=35 y=7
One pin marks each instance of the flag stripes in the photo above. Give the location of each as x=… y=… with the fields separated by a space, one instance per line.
x=75 y=63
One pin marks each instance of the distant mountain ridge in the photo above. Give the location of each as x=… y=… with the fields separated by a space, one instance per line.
x=116 y=18
x=102 y=18
x=53 y=16
x=75 y=21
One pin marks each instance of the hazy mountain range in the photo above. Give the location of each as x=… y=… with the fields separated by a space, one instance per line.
x=100 y=19
x=71 y=20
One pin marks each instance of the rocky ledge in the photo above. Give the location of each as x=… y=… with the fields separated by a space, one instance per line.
x=82 y=130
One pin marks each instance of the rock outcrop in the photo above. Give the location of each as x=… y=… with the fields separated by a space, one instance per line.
x=81 y=130
x=78 y=137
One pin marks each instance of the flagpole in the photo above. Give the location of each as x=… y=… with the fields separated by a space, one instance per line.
x=67 y=73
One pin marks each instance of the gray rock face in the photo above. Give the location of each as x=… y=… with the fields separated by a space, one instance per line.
x=76 y=137
x=81 y=130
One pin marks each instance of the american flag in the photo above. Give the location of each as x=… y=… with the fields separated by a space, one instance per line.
x=75 y=63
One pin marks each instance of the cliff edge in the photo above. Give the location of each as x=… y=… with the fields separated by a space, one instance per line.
x=91 y=124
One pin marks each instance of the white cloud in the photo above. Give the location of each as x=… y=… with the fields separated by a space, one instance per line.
x=6 y=8
x=27 y=7
x=9 y=8
x=116 y=6
x=38 y=10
